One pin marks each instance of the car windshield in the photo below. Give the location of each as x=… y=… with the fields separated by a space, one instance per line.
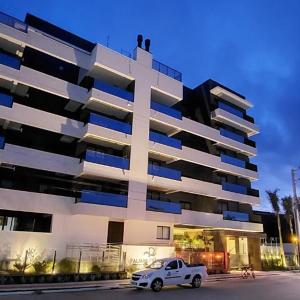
x=158 y=264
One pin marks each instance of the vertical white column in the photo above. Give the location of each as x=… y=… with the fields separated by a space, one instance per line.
x=137 y=189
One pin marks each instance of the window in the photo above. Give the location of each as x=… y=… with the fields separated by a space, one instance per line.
x=24 y=221
x=222 y=206
x=179 y=264
x=2 y=222
x=172 y=265
x=223 y=178
x=163 y=232
x=186 y=205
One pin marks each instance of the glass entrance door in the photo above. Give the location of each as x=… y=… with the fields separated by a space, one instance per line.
x=243 y=251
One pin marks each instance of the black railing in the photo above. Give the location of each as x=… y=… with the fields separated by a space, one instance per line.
x=162 y=68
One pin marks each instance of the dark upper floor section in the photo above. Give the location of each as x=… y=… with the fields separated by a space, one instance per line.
x=198 y=103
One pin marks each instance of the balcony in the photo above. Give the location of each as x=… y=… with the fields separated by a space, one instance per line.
x=2 y=142
x=164 y=172
x=234 y=118
x=235 y=216
x=166 y=110
x=106 y=159
x=230 y=109
x=163 y=206
x=231 y=97
x=102 y=198
x=235 y=188
x=233 y=161
x=232 y=135
x=164 y=139
x=13 y=22
x=116 y=91
x=6 y=100
x=110 y=123
x=162 y=68
x=10 y=60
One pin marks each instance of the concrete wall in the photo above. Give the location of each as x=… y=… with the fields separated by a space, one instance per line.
x=32 y=158
x=66 y=229
x=144 y=232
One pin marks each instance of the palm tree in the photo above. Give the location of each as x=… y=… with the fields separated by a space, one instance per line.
x=274 y=200
x=287 y=204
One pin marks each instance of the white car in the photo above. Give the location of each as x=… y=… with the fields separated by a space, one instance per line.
x=169 y=271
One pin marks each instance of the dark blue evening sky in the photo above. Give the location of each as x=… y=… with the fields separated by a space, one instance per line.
x=252 y=47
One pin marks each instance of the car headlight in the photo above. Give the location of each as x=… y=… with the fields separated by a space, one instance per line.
x=147 y=276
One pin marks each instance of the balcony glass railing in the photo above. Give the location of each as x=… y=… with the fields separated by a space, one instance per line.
x=6 y=100
x=164 y=139
x=102 y=198
x=116 y=91
x=162 y=68
x=109 y=123
x=235 y=216
x=235 y=188
x=2 y=142
x=233 y=161
x=166 y=110
x=106 y=159
x=12 y=22
x=163 y=206
x=231 y=109
x=10 y=60
x=164 y=172
x=232 y=135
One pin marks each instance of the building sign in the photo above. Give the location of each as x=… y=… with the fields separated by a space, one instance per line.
x=138 y=257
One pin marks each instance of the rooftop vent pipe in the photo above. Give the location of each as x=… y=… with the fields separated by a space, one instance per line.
x=147 y=45
x=140 y=40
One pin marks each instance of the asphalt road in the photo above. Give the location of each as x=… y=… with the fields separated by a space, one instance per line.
x=280 y=287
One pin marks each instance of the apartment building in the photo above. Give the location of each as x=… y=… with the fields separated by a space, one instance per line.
x=99 y=147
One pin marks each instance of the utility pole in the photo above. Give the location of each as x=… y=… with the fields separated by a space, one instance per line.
x=296 y=212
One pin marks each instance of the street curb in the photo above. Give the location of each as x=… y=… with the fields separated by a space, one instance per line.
x=50 y=290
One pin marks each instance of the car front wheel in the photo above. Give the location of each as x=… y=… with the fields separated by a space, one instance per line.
x=156 y=285
x=196 y=283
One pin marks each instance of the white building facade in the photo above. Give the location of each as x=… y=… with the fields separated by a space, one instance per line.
x=100 y=148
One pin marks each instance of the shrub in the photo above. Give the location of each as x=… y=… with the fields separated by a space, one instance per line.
x=66 y=265
x=40 y=267
x=21 y=267
x=96 y=269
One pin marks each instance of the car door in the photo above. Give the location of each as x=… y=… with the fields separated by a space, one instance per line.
x=181 y=272
x=172 y=273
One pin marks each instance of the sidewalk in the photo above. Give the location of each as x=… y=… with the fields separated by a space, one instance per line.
x=100 y=285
